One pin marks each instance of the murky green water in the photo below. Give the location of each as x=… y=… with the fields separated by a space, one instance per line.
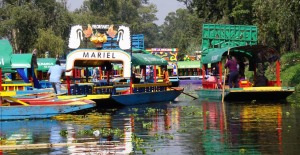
x=183 y=127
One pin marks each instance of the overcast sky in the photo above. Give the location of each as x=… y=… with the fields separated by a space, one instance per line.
x=163 y=7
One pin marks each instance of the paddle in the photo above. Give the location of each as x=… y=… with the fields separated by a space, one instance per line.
x=184 y=93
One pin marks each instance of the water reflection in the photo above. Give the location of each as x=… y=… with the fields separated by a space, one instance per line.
x=183 y=127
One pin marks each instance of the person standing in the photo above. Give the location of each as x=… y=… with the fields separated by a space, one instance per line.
x=231 y=64
x=54 y=74
x=166 y=75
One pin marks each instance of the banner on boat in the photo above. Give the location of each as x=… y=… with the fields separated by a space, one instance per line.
x=98 y=34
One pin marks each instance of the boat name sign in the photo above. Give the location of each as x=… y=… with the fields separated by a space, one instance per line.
x=99 y=55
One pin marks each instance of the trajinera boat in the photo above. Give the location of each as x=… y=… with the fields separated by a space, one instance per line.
x=115 y=49
x=244 y=50
x=265 y=90
x=12 y=108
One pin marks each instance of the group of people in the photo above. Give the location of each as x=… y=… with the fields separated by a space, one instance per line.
x=236 y=71
x=151 y=76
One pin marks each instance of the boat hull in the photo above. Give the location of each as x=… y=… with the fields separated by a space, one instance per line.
x=43 y=109
x=247 y=94
x=189 y=81
x=147 y=97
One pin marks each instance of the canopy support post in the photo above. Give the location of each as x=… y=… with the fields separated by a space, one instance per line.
x=1 y=79
x=220 y=71
x=154 y=74
x=278 y=73
x=69 y=85
x=203 y=72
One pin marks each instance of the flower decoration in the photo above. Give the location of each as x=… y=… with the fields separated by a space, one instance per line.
x=98 y=38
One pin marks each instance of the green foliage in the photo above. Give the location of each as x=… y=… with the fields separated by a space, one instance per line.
x=48 y=41
x=277 y=21
x=290 y=69
x=290 y=66
x=20 y=25
x=181 y=30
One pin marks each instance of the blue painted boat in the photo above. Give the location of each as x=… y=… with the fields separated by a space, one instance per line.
x=146 y=97
x=34 y=108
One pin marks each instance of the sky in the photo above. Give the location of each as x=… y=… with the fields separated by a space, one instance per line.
x=163 y=7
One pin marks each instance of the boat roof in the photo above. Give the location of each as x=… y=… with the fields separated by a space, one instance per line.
x=21 y=60
x=45 y=63
x=147 y=59
x=255 y=53
x=6 y=51
x=189 y=64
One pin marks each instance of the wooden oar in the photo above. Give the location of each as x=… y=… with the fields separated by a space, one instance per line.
x=184 y=93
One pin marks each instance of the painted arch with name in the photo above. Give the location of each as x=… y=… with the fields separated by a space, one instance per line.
x=96 y=58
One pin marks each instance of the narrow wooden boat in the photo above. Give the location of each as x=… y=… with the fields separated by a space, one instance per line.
x=264 y=89
x=239 y=44
x=147 y=97
x=34 y=108
x=247 y=93
x=105 y=90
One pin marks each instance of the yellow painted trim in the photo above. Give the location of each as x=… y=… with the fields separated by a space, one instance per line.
x=99 y=96
x=150 y=85
x=16 y=100
x=7 y=93
x=103 y=87
x=66 y=97
x=262 y=88
x=16 y=84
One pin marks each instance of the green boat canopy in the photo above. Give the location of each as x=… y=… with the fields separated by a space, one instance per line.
x=188 y=64
x=214 y=55
x=5 y=54
x=255 y=53
x=45 y=63
x=7 y=70
x=147 y=59
x=21 y=60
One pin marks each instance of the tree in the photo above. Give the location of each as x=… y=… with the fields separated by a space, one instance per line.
x=183 y=31
x=19 y=24
x=48 y=41
x=222 y=11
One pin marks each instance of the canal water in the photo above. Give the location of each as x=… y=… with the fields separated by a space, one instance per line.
x=184 y=126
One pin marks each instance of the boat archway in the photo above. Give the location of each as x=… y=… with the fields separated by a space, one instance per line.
x=94 y=57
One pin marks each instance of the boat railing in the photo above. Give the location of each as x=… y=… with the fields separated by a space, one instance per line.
x=16 y=86
x=150 y=87
x=116 y=88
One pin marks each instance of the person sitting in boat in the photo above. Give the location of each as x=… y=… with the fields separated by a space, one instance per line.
x=165 y=75
x=134 y=78
x=95 y=75
x=54 y=74
x=231 y=64
x=151 y=76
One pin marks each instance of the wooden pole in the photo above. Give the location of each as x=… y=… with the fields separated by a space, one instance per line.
x=223 y=87
x=278 y=73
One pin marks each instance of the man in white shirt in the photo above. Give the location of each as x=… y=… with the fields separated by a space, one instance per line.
x=55 y=73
